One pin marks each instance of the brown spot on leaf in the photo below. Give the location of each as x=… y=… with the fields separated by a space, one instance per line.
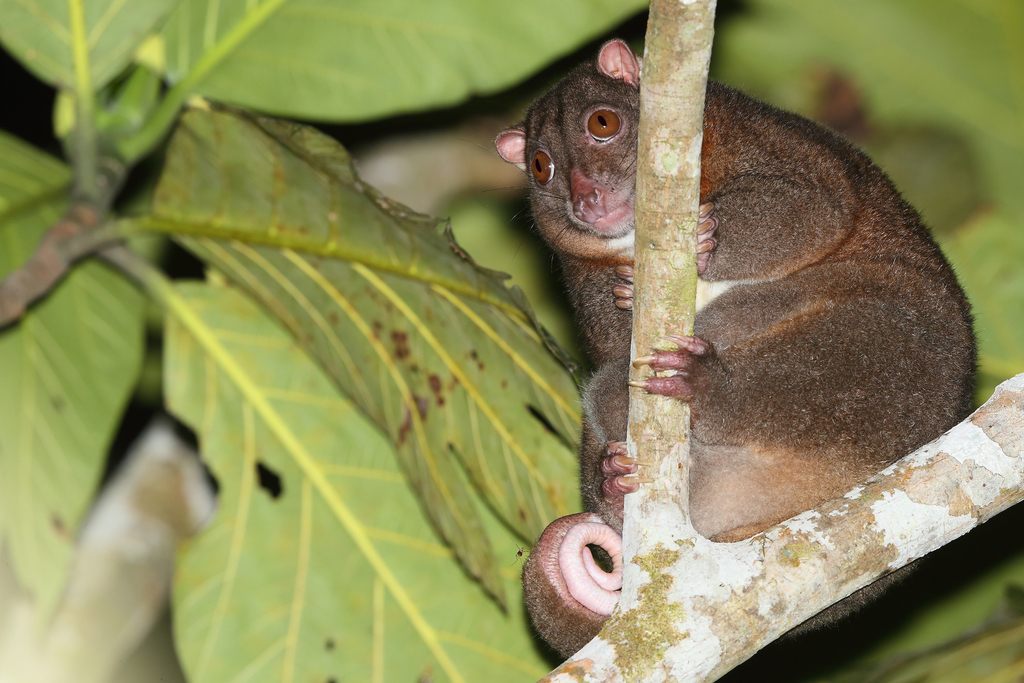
x=435 y=386
x=58 y=526
x=332 y=317
x=403 y=431
x=376 y=326
x=422 y=405
x=401 y=340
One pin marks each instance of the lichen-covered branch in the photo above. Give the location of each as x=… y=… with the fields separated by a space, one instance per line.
x=728 y=600
x=675 y=71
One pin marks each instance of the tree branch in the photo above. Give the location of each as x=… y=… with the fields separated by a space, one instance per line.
x=82 y=230
x=728 y=600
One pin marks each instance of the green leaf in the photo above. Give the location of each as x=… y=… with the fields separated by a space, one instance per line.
x=67 y=370
x=319 y=565
x=950 y=64
x=324 y=60
x=436 y=351
x=29 y=179
x=77 y=44
x=961 y=612
x=987 y=255
x=993 y=654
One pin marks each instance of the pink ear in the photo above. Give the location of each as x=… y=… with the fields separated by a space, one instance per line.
x=511 y=145
x=618 y=61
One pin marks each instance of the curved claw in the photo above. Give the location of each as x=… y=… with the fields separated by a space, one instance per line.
x=694 y=345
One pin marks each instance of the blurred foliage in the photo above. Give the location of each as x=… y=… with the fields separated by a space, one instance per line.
x=459 y=442
x=66 y=373
x=992 y=652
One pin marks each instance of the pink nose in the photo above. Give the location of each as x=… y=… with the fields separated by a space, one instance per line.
x=590 y=206
x=588 y=198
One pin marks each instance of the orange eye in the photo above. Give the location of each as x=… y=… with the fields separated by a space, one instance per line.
x=603 y=125
x=543 y=168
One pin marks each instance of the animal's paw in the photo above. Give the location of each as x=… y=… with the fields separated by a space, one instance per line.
x=705 y=236
x=689 y=364
x=624 y=292
x=620 y=472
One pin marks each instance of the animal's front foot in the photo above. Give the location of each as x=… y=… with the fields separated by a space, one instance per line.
x=705 y=236
x=620 y=472
x=624 y=292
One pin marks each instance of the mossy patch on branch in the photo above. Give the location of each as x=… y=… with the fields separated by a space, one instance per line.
x=645 y=633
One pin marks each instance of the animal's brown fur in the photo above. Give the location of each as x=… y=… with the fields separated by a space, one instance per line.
x=845 y=344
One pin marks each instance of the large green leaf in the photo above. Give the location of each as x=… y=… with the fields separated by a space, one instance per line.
x=434 y=349
x=77 y=43
x=327 y=60
x=66 y=371
x=949 y=63
x=319 y=565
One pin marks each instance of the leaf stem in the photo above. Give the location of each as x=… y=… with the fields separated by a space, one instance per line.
x=138 y=145
x=84 y=150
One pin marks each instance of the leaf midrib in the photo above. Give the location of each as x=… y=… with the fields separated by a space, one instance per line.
x=328 y=250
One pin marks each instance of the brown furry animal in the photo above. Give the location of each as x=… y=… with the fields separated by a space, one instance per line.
x=836 y=338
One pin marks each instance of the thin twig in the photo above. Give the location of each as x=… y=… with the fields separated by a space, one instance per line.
x=82 y=230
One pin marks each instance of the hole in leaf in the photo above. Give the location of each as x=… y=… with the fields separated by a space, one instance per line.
x=270 y=481
x=539 y=416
